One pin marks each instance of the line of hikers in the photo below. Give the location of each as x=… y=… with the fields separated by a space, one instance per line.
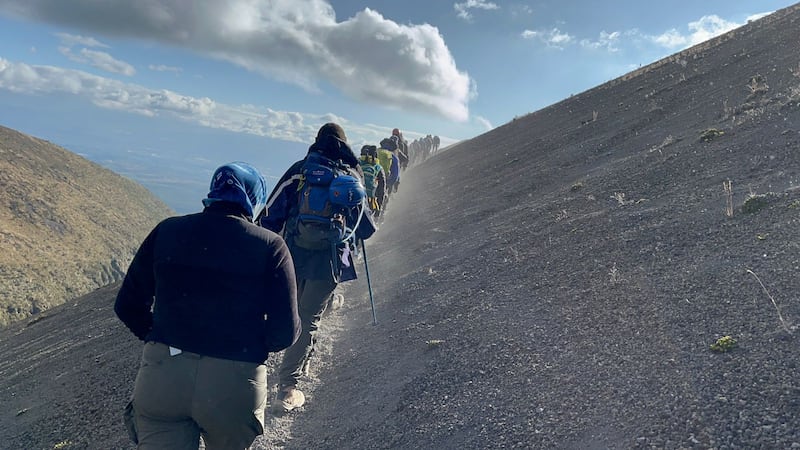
x=419 y=150
x=381 y=166
x=212 y=294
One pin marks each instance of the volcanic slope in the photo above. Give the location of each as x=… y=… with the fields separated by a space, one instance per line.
x=557 y=282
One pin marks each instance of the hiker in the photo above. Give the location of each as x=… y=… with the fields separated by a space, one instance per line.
x=387 y=154
x=321 y=237
x=374 y=178
x=223 y=296
x=402 y=148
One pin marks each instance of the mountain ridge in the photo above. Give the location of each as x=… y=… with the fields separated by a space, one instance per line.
x=69 y=226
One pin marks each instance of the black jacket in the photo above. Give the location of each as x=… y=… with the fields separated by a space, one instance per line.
x=218 y=285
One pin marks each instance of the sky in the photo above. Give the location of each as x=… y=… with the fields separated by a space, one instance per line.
x=165 y=91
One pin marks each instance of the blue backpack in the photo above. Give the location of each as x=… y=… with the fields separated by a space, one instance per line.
x=329 y=205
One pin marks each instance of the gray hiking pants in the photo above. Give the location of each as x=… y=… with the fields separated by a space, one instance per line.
x=178 y=398
x=313 y=296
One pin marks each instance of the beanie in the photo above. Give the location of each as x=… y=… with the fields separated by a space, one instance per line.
x=331 y=129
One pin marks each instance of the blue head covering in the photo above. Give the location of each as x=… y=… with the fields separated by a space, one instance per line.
x=240 y=183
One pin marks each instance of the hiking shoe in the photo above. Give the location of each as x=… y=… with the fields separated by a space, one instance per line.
x=288 y=398
x=338 y=301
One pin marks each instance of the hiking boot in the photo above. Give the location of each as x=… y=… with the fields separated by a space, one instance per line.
x=288 y=398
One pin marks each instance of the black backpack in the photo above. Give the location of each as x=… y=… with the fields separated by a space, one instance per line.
x=389 y=143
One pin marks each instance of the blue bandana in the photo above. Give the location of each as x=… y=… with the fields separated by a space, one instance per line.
x=240 y=183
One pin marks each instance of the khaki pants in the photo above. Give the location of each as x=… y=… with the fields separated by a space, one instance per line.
x=178 y=398
x=313 y=297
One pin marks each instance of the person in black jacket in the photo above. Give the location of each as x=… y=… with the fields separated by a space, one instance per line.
x=211 y=294
x=319 y=270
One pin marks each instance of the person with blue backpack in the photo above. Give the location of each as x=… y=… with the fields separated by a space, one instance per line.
x=320 y=207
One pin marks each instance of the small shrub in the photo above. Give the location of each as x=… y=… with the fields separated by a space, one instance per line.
x=620 y=198
x=757 y=85
x=576 y=187
x=796 y=71
x=723 y=344
x=710 y=134
x=614 y=275
x=754 y=203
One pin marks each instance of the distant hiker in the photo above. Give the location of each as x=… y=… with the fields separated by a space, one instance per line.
x=374 y=178
x=387 y=154
x=402 y=148
x=436 y=142
x=385 y=159
x=319 y=206
x=211 y=294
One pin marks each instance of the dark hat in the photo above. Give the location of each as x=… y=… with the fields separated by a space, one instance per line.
x=369 y=150
x=331 y=142
x=331 y=129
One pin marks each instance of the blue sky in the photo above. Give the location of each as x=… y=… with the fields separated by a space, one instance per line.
x=165 y=91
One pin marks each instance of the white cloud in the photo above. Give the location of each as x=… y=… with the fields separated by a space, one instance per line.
x=463 y=8
x=163 y=68
x=484 y=122
x=701 y=30
x=606 y=41
x=552 y=38
x=100 y=60
x=294 y=41
x=113 y=94
x=94 y=58
x=521 y=10
x=698 y=31
x=71 y=40
x=758 y=16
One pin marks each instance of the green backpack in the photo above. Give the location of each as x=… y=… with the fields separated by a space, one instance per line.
x=371 y=170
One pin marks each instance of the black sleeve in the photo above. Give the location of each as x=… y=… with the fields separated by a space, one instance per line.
x=380 y=191
x=134 y=300
x=283 y=323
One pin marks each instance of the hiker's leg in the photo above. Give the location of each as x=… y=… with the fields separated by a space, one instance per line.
x=312 y=298
x=162 y=398
x=229 y=402
x=380 y=194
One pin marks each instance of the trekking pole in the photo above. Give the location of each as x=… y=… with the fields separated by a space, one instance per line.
x=369 y=283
